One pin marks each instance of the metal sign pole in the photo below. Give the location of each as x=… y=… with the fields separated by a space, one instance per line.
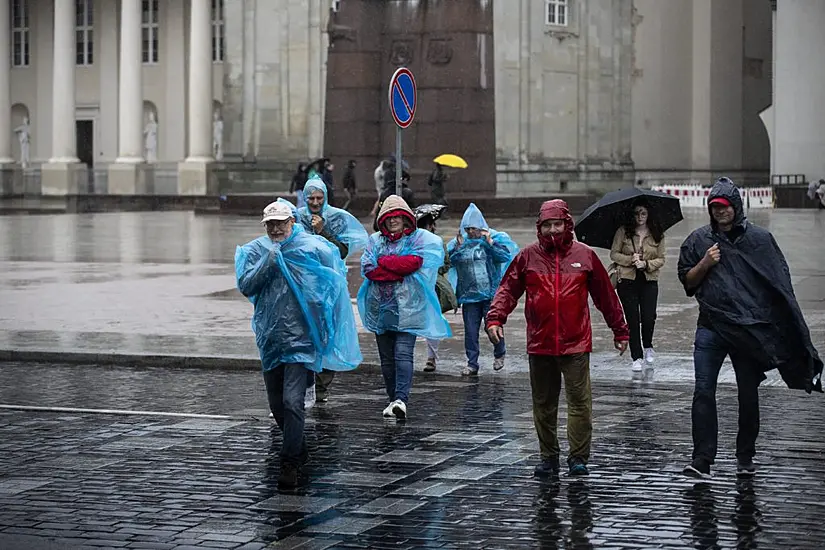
x=398 y=162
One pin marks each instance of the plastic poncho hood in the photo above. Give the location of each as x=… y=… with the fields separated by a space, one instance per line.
x=341 y=224
x=748 y=298
x=302 y=308
x=410 y=305
x=476 y=267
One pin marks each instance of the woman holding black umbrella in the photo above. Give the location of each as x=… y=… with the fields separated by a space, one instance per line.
x=639 y=253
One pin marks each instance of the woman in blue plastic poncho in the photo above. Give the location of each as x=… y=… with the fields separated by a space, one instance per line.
x=341 y=229
x=397 y=300
x=479 y=256
x=303 y=320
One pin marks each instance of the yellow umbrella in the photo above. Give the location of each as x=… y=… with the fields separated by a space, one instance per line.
x=453 y=161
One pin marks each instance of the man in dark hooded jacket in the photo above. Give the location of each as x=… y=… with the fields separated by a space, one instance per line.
x=557 y=274
x=747 y=310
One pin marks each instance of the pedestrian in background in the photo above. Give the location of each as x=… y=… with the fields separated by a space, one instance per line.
x=438 y=177
x=639 y=253
x=378 y=177
x=557 y=274
x=397 y=301
x=340 y=228
x=296 y=186
x=302 y=320
x=350 y=188
x=426 y=216
x=478 y=257
x=747 y=311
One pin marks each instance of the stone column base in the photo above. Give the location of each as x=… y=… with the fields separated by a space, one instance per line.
x=11 y=180
x=63 y=178
x=131 y=179
x=196 y=178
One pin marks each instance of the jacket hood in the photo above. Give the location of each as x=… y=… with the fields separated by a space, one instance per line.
x=397 y=206
x=726 y=189
x=556 y=209
x=473 y=218
x=316 y=184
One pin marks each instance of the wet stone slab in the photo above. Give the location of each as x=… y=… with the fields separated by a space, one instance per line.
x=469 y=473
x=299 y=503
x=345 y=526
x=142 y=443
x=462 y=437
x=429 y=488
x=16 y=485
x=390 y=506
x=415 y=457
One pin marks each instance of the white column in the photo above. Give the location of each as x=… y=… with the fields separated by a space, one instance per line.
x=130 y=118
x=5 y=84
x=64 y=139
x=200 y=82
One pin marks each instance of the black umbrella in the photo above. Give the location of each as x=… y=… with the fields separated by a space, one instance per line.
x=597 y=226
x=433 y=210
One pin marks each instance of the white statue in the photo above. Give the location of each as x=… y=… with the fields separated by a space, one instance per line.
x=217 y=136
x=24 y=136
x=150 y=138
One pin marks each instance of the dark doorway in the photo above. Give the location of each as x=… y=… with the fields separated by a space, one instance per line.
x=85 y=141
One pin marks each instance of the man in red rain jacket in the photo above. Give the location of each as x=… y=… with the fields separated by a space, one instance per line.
x=557 y=273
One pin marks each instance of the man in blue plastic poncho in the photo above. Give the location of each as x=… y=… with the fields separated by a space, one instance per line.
x=303 y=320
x=397 y=300
x=479 y=256
x=341 y=229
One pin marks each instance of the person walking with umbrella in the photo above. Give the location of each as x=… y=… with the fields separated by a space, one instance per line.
x=639 y=253
x=426 y=216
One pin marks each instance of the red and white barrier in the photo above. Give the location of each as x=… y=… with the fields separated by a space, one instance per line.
x=696 y=196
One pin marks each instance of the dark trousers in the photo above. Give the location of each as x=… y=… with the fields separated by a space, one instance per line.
x=546 y=372
x=323 y=380
x=286 y=387
x=638 y=297
x=708 y=354
x=474 y=313
x=396 y=352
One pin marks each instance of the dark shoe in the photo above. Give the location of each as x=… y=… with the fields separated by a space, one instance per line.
x=745 y=467
x=699 y=469
x=430 y=366
x=288 y=478
x=577 y=467
x=547 y=468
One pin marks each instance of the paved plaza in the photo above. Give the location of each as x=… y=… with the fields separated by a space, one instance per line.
x=458 y=474
x=113 y=434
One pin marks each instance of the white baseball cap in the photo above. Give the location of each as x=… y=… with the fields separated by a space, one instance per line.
x=278 y=211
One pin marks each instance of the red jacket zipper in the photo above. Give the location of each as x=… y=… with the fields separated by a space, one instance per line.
x=558 y=290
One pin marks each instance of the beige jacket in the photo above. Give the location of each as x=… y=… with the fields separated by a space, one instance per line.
x=622 y=253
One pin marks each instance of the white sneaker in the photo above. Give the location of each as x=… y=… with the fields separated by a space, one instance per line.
x=388 y=411
x=399 y=409
x=650 y=356
x=498 y=363
x=637 y=369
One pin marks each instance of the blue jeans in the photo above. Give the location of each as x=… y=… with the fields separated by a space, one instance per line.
x=396 y=352
x=709 y=352
x=473 y=314
x=286 y=387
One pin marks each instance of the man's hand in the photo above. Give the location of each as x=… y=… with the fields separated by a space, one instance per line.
x=713 y=255
x=620 y=345
x=459 y=239
x=495 y=333
x=317 y=223
x=487 y=236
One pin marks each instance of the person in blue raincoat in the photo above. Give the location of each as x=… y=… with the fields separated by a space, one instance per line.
x=341 y=229
x=397 y=300
x=479 y=256
x=303 y=320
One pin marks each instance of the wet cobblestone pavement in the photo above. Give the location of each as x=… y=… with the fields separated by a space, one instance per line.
x=458 y=474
